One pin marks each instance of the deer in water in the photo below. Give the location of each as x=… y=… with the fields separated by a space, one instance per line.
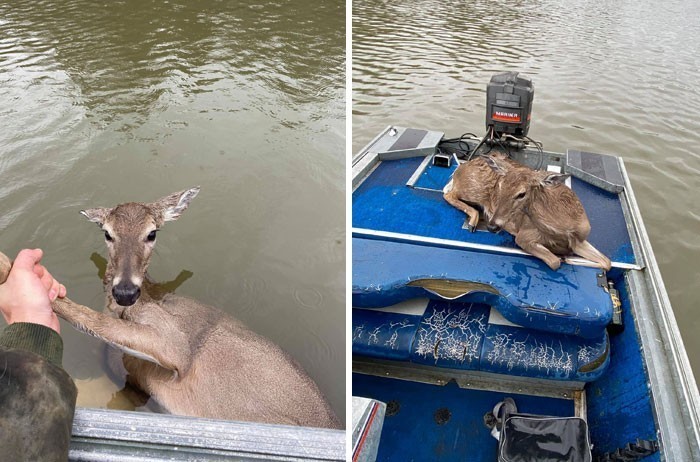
x=192 y=359
x=545 y=216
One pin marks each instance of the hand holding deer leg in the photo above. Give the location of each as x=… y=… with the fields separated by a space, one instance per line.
x=29 y=293
x=28 y=289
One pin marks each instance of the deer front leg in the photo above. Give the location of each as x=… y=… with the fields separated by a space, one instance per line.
x=139 y=340
x=528 y=242
x=453 y=199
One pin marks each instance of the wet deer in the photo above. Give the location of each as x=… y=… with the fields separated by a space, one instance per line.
x=545 y=216
x=192 y=359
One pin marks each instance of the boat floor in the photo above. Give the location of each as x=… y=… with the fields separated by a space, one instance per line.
x=448 y=426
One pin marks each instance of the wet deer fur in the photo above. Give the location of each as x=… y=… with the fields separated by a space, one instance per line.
x=192 y=359
x=545 y=216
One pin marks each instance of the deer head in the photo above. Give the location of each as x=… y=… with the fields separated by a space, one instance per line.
x=130 y=234
x=515 y=190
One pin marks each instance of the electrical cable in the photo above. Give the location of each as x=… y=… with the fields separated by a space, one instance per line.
x=483 y=140
x=461 y=150
x=459 y=147
x=505 y=149
x=538 y=145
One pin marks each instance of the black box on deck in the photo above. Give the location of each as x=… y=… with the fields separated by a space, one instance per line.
x=509 y=103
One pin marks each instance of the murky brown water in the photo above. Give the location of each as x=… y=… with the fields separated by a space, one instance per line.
x=610 y=77
x=121 y=101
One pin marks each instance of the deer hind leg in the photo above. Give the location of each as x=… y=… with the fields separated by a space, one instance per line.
x=586 y=250
x=532 y=246
x=453 y=199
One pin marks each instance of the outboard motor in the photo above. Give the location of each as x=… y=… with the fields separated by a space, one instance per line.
x=509 y=98
x=509 y=104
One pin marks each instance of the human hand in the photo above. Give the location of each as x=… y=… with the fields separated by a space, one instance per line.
x=27 y=293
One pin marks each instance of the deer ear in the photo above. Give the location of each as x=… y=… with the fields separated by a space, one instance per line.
x=495 y=165
x=97 y=215
x=552 y=179
x=173 y=205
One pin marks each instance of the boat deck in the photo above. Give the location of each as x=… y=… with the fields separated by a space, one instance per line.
x=424 y=212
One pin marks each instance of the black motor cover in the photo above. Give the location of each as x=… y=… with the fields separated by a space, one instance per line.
x=509 y=103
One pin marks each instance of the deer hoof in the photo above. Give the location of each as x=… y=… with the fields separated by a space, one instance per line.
x=554 y=263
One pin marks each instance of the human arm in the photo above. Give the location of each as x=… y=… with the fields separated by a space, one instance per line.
x=36 y=395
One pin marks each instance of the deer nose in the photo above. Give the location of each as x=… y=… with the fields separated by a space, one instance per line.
x=126 y=294
x=493 y=228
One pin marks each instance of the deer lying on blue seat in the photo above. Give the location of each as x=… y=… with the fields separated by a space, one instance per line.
x=192 y=359
x=545 y=216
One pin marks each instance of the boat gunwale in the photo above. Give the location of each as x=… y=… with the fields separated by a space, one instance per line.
x=120 y=436
x=657 y=341
x=454 y=244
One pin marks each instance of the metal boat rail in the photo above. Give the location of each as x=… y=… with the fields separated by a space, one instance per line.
x=121 y=436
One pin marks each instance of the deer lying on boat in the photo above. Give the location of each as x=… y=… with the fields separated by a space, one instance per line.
x=545 y=216
x=192 y=359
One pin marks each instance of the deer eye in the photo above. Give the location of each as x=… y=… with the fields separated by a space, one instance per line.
x=520 y=196
x=108 y=237
x=151 y=236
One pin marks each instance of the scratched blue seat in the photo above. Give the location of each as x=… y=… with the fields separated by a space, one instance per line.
x=522 y=288
x=468 y=336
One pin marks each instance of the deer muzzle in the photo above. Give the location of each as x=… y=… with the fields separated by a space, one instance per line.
x=126 y=293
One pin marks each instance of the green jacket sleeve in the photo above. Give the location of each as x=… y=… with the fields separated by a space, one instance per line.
x=36 y=338
x=37 y=397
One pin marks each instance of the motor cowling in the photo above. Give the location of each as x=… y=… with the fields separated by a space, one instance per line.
x=509 y=103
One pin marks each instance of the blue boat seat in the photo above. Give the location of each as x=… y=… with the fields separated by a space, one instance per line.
x=466 y=336
x=525 y=291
